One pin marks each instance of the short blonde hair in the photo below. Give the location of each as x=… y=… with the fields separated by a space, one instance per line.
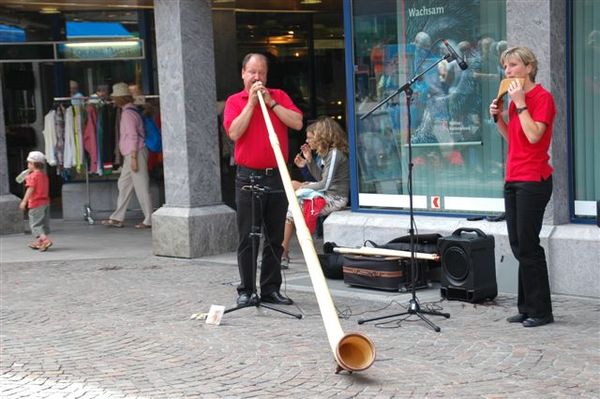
x=525 y=55
x=328 y=134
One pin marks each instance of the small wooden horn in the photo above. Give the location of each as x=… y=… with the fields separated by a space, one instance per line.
x=503 y=89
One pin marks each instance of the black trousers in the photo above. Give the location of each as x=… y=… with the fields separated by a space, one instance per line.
x=525 y=203
x=270 y=208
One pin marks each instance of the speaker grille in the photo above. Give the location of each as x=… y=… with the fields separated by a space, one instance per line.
x=456 y=263
x=468 y=266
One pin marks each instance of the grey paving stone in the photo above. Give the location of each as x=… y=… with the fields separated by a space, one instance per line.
x=119 y=327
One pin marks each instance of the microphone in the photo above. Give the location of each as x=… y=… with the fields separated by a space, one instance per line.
x=461 y=62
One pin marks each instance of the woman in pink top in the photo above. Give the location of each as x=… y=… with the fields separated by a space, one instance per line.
x=134 y=171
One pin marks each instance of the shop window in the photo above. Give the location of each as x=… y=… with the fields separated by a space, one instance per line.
x=586 y=103
x=458 y=156
x=329 y=78
x=19 y=99
x=283 y=38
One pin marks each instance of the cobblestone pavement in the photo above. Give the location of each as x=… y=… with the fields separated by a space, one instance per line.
x=121 y=329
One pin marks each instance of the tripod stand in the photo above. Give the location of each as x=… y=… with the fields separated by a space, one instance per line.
x=255 y=235
x=414 y=308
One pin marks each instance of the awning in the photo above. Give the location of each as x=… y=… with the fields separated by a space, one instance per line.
x=87 y=30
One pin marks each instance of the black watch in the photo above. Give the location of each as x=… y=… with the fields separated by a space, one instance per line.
x=519 y=110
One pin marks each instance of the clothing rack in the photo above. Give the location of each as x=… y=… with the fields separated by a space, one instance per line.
x=70 y=98
x=87 y=209
x=145 y=96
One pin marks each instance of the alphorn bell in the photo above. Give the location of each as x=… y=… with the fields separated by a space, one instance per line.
x=353 y=351
x=503 y=89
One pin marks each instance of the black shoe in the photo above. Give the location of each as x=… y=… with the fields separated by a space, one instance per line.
x=518 y=318
x=277 y=298
x=538 y=321
x=247 y=299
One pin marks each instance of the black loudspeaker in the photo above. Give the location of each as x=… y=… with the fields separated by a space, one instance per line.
x=468 y=266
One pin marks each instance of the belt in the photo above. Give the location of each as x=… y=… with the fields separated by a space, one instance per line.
x=261 y=172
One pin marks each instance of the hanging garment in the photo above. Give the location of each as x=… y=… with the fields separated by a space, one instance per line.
x=114 y=120
x=100 y=124
x=78 y=137
x=49 y=133
x=89 y=139
x=59 y=128
x=69 y=157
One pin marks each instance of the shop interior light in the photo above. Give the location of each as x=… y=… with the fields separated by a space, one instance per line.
x=310 y=2
x=125 y=43
x=49 y=10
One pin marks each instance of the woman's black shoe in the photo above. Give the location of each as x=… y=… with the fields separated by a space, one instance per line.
x=538 y=321
x=518 y=318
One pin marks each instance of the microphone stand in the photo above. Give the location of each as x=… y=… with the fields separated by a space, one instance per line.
x=413 y=306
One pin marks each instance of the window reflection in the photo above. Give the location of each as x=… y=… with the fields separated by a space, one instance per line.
x=455 y=149
x=586 y=101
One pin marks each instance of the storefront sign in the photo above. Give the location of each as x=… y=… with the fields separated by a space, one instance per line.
x=126 y=49
x=102 y=50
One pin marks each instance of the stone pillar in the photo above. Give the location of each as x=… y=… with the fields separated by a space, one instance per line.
x=194 y=222
x=11 y=217
x=541 y=26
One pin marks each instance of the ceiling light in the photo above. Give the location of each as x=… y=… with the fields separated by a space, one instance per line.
x=130 y=43
x=49 y=10
x=310 y=2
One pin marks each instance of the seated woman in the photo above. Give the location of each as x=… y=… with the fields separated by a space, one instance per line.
x=328 y=140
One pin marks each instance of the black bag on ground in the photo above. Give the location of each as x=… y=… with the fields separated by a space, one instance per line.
x=427 y=270
x=331 y=264
x=425 y=243
x=378 y=272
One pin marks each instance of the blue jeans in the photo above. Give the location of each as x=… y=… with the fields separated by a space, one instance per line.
x=525 y=203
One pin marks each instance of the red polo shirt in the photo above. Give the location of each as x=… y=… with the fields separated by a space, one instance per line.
x=253 y=149
x=527 y=161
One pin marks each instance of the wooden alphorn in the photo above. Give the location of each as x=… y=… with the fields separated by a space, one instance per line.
x=503 y=89
x=353 y=351
x=385 y=252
